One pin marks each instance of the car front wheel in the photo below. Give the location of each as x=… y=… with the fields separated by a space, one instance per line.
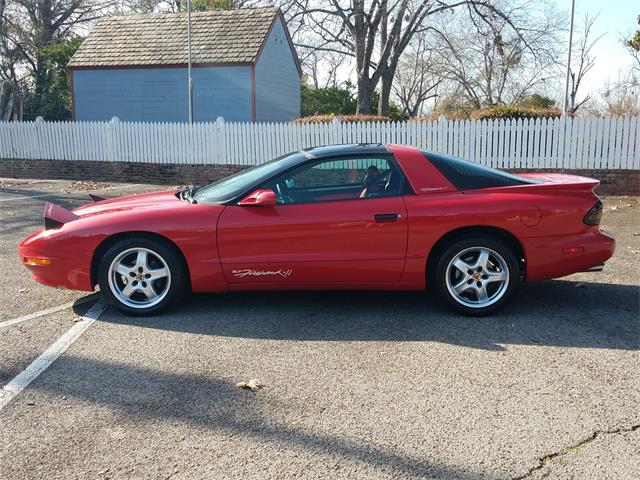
x=141 y=276
x=477 y=275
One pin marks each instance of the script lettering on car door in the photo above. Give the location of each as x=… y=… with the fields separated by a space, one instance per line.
x=248 y=272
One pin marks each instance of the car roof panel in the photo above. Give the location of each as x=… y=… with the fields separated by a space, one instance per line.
x=347 y=149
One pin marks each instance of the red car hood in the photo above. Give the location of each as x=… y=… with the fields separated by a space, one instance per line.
x=133 y=202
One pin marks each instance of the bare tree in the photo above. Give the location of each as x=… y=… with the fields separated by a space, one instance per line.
x=417 y=78
x=10 y=102
x=9 y=52
x=173 y=6
x=361 y=31
x=322 y=68
x=632 y=44
x=585 y=62
x=490 y=61
x=10 y=96
x=617 y=99
x=376 y=33
x=33 y=24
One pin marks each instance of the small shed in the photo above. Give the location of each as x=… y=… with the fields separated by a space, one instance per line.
x=244 y=68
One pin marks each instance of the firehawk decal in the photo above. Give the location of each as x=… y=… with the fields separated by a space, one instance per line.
x=248 y=272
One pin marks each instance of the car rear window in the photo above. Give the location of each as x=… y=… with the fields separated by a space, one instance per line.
x=466 y=175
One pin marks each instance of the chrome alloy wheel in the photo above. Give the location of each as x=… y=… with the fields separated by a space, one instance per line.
x=477 y=277
x=139 y=278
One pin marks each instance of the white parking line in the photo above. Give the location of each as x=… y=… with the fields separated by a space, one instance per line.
x=42 y=313
x=40 y=364
x=28 y=196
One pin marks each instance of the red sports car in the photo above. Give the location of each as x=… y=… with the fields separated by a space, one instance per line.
x=368 y=217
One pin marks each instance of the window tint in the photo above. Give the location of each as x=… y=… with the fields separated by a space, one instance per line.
x=465 y=175
x=339 y=179
x=230 y=187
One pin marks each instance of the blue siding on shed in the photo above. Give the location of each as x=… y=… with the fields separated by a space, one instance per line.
x=130 y=94
x=222 y=92
x=277 y=79
x=160 y=94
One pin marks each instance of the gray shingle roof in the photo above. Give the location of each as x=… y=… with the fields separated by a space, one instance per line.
x=228 y=36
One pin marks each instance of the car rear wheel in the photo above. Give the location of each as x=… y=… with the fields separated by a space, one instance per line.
x=141 y=276
x=476 y=276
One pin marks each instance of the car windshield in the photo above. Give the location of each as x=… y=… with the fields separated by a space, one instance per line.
x=230 y=187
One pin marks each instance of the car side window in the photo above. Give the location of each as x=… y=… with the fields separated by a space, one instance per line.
x=339 y=179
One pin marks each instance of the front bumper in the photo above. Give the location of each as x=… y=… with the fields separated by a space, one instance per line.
x=65 y=269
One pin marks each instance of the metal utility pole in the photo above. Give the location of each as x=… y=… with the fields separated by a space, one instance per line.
x=566 y=88
x=190 y=86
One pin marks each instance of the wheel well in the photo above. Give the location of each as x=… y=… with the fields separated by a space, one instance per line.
x=494 y=232
x=113 y=239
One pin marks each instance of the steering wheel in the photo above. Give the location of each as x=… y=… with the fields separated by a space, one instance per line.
x=281 y=194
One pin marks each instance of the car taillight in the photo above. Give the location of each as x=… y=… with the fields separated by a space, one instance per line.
x=594 y=215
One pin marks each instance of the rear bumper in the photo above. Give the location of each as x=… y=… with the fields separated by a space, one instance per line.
x=553 y=257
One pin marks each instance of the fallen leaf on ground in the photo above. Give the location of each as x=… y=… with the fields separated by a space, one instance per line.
x=253 y=384
x=8 y=184
x=88 y=185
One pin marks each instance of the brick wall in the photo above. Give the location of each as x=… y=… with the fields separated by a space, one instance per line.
x=613 y=182
x=132 y=172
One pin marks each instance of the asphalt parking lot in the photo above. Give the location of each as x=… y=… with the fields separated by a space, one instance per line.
x=356 y=385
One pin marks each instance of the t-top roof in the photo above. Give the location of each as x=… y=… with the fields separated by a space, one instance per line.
x=346 y=149
x=223 y=36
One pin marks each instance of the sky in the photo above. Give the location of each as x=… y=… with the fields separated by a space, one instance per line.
x=615 y=18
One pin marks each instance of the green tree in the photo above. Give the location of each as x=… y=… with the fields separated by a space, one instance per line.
x=394 y=113
x=161 y=6
x=537 y=101
x=633 y=46
x=634 y=42
x=50 y=96
x=335 y=100
x=208 y=5
x=339 y=101
x=28 y=27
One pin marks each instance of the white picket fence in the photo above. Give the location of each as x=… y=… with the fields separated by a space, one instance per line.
x=584 y=143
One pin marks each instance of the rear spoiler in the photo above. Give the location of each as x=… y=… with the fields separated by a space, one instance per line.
x=56 y=216
x=560 y=181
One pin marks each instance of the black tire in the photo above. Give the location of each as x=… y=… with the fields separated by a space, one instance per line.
x=445 y=278
x=157 y=252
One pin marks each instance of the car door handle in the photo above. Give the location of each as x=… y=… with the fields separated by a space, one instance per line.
x=386 y=217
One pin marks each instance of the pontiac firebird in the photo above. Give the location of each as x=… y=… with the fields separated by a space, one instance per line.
x=367 y=217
